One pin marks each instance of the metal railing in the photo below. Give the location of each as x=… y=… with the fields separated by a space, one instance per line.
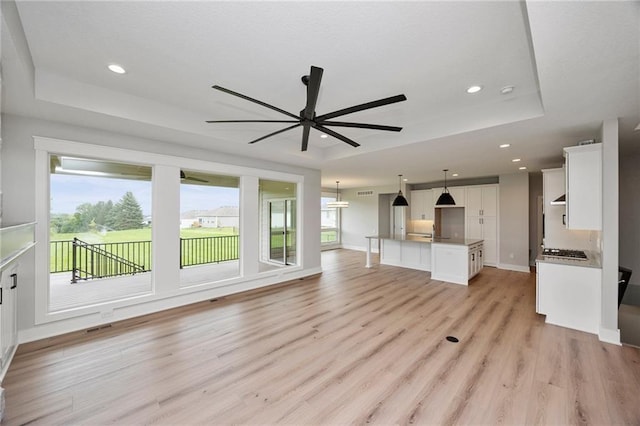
x=103 y=260
x=203 y=250
x=108 y=259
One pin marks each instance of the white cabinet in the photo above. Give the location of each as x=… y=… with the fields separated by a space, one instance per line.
x=569 y=295
x=481 y=219
x=421 y=204
x=455 y=263
x=476 y=261
x=457 y=192
x=8 y=322
x=583 y=167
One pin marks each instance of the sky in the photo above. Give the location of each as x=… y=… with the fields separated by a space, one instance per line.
x=69 y=191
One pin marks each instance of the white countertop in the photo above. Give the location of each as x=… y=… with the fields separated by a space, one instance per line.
x=593 y=260
x=428 y=240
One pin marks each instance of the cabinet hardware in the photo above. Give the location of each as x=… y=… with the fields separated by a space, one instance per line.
x=480 y=253
x=1 y=295
x=14 y=280
x=564 y=219
x=473 y=257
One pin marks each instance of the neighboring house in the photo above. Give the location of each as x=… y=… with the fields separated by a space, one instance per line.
x=222 y=217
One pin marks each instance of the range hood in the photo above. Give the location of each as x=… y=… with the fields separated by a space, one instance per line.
x=560 y=201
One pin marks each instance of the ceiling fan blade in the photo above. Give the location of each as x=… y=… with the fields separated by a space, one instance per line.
x=305 y=137
x=231 y=92
x=361 y=125
x=313 y=89
x=275 y=133
x=252 y=121
x=337 y=135
x=184 y=176
x=361 y=107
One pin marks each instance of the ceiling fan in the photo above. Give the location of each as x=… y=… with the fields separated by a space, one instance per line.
x=183 y=176
x=308 y=118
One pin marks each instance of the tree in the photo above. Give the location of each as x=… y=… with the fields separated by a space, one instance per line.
x=127 y=213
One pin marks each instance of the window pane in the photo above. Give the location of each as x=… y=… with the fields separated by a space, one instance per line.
x=328 y=221
x=209 y=227
x=100 y=231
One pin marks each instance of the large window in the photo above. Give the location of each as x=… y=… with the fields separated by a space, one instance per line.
x=209 y=227
x=100 y=231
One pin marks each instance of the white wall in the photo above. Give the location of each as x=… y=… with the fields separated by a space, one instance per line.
x=361 y=218
x=514 y=222
x=18 y=176
x=629 y=223
x=609 y=331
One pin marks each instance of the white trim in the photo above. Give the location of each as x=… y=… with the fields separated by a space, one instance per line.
x=608 y=335
x=516 y=268
x=160 y=297
x=359 y=248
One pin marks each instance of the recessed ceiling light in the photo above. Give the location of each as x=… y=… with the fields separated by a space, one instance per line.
x=405 y=180
x=515 y=160
x=506 y=90
x=474 y=89
x=522 y=168
x=505 y=145
x=117 y=69
x=323 y=136
x=454 y=175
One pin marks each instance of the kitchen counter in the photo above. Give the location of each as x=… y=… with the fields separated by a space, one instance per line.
x=454 y=260
x=426 y=239
x=594 y=260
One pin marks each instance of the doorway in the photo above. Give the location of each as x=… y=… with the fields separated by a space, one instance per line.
x=282 y=231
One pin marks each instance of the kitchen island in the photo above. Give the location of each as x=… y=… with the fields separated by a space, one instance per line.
x=448 y=259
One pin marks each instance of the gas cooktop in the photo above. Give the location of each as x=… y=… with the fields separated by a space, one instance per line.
x=565 y=253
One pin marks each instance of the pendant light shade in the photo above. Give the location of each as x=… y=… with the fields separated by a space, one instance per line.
x=445 y=199
x=400 y=200
x=337 y=204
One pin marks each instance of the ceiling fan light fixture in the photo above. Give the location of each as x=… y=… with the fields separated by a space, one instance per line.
x=323 y=136
x=337 y=204
x=400 y=200
x=445 y=199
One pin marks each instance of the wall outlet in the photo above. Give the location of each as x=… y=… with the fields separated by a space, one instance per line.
x=511 y=256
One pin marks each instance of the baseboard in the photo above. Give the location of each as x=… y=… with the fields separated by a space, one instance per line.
x=516 y=268
x=608 y=335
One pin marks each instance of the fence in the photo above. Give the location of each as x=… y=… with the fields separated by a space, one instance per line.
x=129 y=257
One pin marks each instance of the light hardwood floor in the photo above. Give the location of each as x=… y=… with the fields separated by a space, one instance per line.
x=353 y=345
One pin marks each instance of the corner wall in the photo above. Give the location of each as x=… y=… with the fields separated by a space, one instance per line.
x=514 y=222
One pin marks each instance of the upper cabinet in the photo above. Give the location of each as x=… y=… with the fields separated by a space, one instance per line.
x=583 y=168
x=457 y=192
x=421 y=204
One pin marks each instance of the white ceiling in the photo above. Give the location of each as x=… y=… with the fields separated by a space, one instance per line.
x=573 y=64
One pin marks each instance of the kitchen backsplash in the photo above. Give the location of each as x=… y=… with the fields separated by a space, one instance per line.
x=420 y=226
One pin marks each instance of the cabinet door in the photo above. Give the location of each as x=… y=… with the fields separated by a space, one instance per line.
x=474 y=227
x=490 y=237
x=459 y=195
x=489 y=201
x=8 y=331
x=474 y=201
x=418 y=204
x=428 y=204
x=584 y=187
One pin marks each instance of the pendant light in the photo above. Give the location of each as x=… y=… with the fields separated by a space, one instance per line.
x=445 y=199
x=400 y=200
x=337 y=204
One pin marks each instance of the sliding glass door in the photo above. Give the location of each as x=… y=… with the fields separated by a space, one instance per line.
x=282 y=230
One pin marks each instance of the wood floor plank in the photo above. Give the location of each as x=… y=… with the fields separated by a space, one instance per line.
x=349 y=346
